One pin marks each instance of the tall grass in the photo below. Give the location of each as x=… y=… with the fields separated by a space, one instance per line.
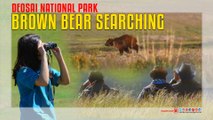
x=168 y=53
x=125 y=99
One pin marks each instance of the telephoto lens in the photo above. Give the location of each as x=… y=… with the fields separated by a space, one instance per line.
x=50 y=45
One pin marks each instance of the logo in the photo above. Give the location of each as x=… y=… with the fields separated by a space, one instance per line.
x=184 y=110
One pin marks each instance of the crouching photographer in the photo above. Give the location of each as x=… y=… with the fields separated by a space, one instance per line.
x=95 y=85
x=35 y=78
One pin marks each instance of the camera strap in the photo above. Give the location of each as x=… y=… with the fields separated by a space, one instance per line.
x=49 y=53
x=53 y=90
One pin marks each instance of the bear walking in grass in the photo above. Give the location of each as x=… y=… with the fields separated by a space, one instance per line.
x=123 y=43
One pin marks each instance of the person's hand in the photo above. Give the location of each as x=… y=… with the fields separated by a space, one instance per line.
x=41 y=49
x=43 y=79
x=65 y=78
x=57 y=52
x=175 y=78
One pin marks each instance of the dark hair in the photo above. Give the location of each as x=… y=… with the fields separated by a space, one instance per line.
x=28 y=54
x=159 y=75
x=96 y=76
x=158 y=72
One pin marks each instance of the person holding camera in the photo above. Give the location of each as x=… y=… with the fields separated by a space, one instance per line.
x=35 y=78
x=95 y=85
x=184 y=82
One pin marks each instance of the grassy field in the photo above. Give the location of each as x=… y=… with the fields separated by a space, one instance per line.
x=124 y=99
x=84 y=51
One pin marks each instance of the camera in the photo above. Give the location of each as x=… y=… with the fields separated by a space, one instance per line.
x=50 y=45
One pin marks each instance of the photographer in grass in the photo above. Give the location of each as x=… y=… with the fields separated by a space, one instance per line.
x=35 y=78
x=95 y=85
x=183 y=81
x=158 y=75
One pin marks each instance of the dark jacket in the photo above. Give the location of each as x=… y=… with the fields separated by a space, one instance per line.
x=189 y=87
x=90 y=91
x=153 y=88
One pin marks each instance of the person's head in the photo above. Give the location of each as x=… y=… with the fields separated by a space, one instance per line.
x=184 y=73
x=158 y=73
x=28 y=54
x=96 y=77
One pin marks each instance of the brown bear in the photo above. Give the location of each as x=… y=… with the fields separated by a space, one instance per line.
x=123 y=43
